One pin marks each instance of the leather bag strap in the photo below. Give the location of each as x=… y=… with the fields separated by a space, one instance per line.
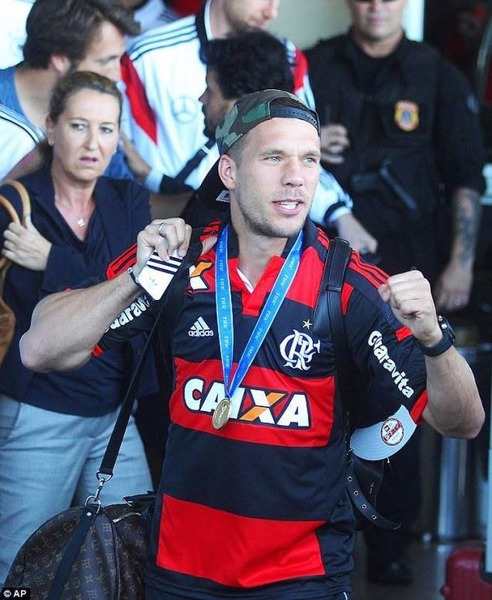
x=71 y=550
x=12 y=211
x=171 y=304
x=372 y=474
x=23 y=194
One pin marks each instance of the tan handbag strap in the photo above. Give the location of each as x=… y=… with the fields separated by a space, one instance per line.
x=23 y=194
x=9 y=207
x=12 y=212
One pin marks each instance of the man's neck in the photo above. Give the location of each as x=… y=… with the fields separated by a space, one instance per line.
x=377 y=48
x=219 y=25
x=34 y=87
x=255 y=252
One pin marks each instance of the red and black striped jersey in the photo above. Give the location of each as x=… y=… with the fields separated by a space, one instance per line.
x=261 y=503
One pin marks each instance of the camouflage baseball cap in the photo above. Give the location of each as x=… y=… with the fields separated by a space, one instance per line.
x=252 y=109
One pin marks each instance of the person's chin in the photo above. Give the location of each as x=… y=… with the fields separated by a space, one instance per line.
x=287 y=229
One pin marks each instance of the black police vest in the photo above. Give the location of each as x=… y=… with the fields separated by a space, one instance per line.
x=391 y=157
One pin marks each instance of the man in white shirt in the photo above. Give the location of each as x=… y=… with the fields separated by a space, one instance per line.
x=165 y=78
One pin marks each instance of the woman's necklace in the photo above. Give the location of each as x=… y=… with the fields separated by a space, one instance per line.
x=81 y=222
x=81 y=218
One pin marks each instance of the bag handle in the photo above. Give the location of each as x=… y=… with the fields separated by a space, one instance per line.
x=9 y=207
x=23 y=194
x=11 y=210
x=14 y=217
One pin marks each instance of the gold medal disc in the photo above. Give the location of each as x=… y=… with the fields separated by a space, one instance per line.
x=221 y=413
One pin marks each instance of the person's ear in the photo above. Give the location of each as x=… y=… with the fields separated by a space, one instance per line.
x=228 y=171
x=60 y=63
x=50 y=131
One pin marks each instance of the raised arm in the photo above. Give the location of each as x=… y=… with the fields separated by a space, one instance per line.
x=454 y=407
x=66 y=326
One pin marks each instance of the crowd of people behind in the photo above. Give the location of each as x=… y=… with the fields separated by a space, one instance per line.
x=111 y=121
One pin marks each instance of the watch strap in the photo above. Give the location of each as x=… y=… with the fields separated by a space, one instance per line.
x=444 y=344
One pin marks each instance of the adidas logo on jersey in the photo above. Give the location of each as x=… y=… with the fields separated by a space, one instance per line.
x=200 y=329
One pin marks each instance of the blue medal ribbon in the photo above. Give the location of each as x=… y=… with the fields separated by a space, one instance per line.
x=269 y=312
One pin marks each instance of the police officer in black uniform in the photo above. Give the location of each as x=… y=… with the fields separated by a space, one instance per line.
x=401 y=134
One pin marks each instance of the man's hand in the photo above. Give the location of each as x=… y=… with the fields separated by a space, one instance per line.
x=409 y=295
x=138 y=166
x=454 y=407
x=334 y=142
x=166 y=236
x=352 y=230
x=453 y=288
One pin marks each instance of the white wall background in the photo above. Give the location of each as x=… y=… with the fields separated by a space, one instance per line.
x=307 y=21
x=303 y=21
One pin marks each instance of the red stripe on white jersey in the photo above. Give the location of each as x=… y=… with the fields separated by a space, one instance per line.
x=140 y=108
x=299 y=70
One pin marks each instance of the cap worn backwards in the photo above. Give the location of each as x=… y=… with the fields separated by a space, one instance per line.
x=253 y=109
x=247 y=113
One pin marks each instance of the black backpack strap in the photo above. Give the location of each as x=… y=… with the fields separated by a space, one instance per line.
x=328 y=318
x=366 y=475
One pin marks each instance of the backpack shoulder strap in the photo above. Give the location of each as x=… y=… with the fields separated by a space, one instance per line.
x=328 y=319
x=328 y=316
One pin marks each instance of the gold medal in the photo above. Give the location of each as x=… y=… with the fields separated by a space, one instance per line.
x=221 y=413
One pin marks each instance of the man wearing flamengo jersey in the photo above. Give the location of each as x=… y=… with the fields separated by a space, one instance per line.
x=252 y=502
x=166 y=75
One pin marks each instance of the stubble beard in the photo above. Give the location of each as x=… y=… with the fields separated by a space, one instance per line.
x=265 y=228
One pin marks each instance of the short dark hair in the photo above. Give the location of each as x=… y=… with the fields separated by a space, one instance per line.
x=249 y=61
x=68 y=27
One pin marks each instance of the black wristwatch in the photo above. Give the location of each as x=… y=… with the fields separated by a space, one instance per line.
x=448 y=338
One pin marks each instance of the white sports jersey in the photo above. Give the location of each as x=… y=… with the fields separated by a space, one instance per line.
x=13 y=30
x=164 y=79
x=18 y=137
x=172 y=77
x=154 y=14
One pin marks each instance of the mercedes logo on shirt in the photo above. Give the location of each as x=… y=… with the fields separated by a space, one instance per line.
x=185 y=109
